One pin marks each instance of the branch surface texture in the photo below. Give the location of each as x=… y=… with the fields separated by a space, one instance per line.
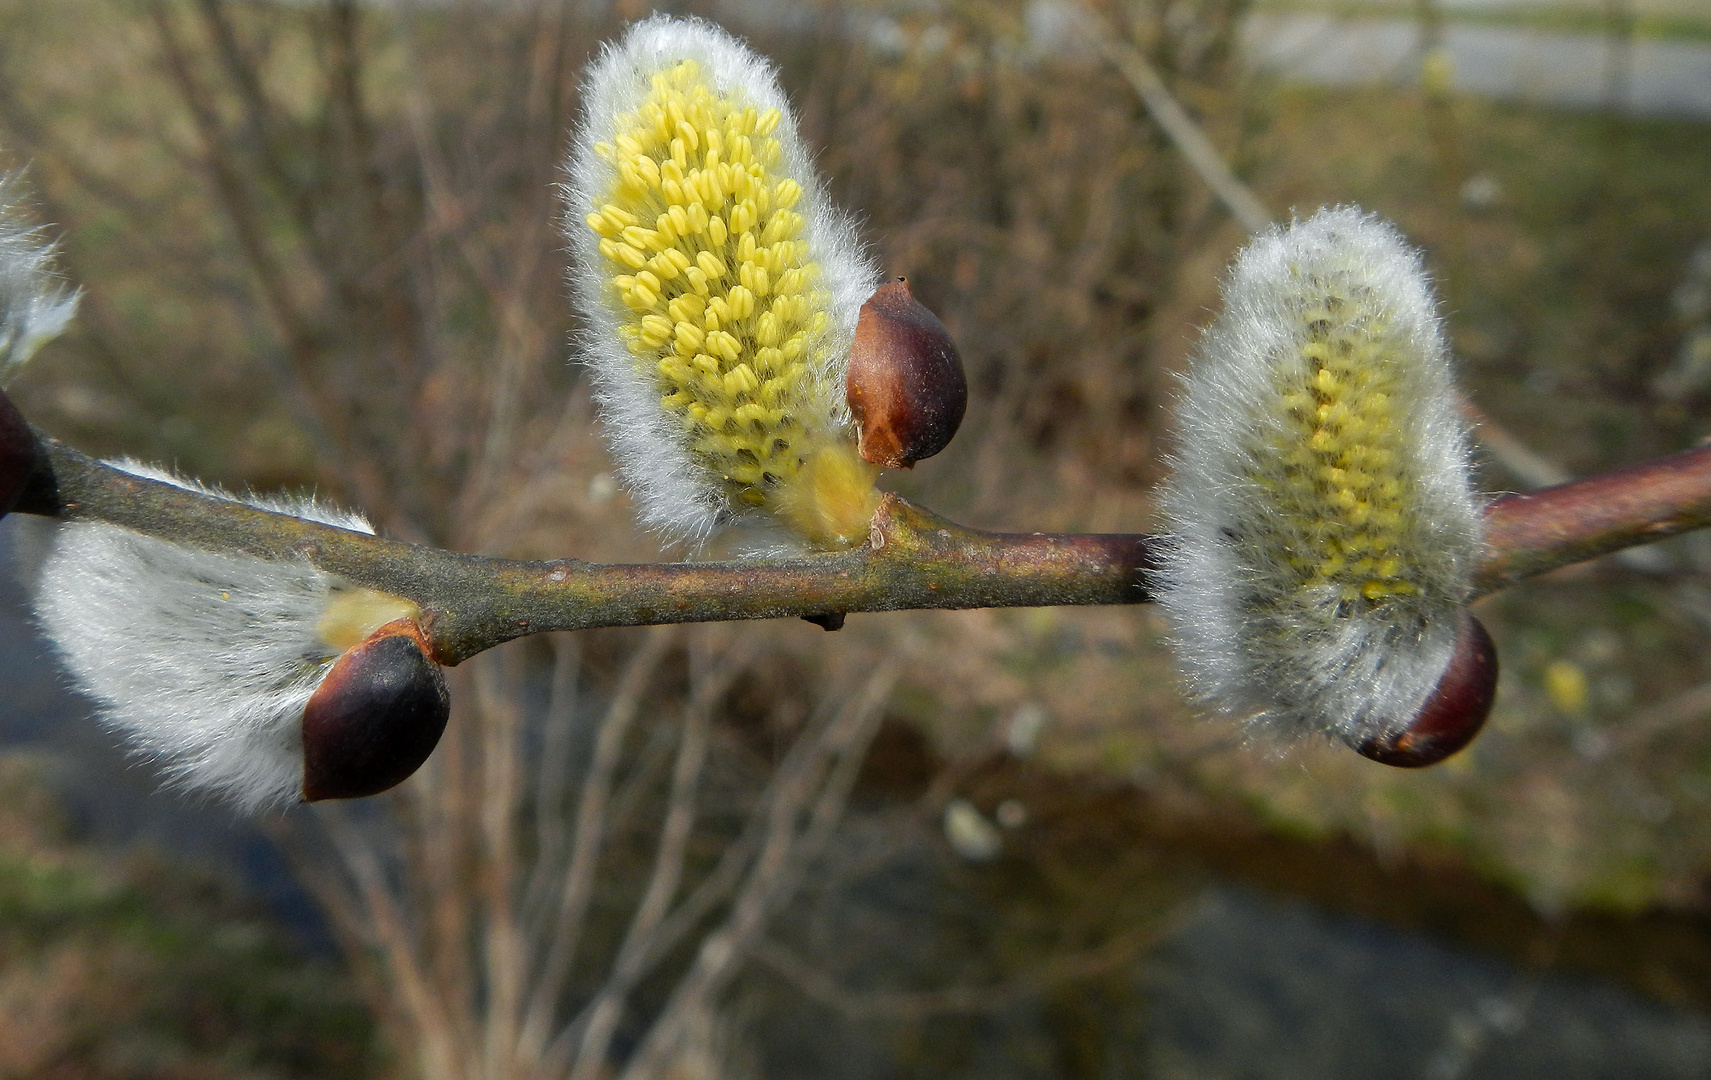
x=913 y=559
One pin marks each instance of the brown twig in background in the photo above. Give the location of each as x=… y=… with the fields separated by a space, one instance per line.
x=1189 y=139
x=561 y=937
x=607 y=1006
x=815 y=780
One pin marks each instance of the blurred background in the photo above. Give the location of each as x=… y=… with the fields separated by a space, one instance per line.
x=318 y=248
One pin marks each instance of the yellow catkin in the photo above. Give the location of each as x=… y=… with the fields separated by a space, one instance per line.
x=727 y=316
x=1341 y=454
x=354 y=613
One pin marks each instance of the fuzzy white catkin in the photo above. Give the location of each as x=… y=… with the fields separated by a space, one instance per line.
x=1326 y=527
x=34 y=306
x=202 y=661
x=675 y=495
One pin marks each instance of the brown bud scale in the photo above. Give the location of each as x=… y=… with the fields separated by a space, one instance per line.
x=375 y=718
x=1454 y=712
x=906 y=387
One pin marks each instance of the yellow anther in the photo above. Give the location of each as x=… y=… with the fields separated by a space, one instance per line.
x=711 y=264
x=686 y=308
x=742 y=218
x=740 y=302
x=723 y=343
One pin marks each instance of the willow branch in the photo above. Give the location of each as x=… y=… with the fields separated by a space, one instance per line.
x=1543 y=530
x=913 y=559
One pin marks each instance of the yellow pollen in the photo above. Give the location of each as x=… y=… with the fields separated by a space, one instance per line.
x=724 y=311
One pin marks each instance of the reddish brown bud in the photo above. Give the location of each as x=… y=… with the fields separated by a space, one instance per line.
x=376 y=717
x=17 y=454
x=1454 y=712
x=906 y=387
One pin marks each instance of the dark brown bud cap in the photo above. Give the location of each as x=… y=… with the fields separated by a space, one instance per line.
x=17 y=454
x=906 y=388
x=376 y=717
x=1455 y=710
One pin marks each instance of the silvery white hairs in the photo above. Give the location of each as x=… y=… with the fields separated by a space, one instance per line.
x=34 y=306
x=1325 y=522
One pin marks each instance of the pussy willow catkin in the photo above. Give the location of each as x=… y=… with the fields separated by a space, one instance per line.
x=721 y=290
x=1327 y=530
x=204 y=661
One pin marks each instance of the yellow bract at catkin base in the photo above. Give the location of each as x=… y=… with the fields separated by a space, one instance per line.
x=727 y=313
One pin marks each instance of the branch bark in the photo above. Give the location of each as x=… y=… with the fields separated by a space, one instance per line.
x=913 y=559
